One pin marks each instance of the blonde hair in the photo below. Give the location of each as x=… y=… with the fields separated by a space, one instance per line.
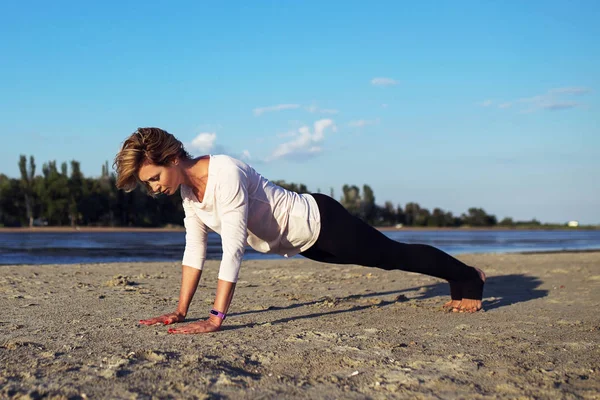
x=146 y=144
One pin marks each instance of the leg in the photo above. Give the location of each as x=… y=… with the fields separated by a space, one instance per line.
x=345 y=239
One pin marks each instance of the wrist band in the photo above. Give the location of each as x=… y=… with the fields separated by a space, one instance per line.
x=218 y=314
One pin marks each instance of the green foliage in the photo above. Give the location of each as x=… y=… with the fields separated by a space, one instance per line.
x=351 y=199
x=11 y=206
x=76 y=193
x=400 y=215
x=387 y=215
x=506 y=222
x=478 y=217
x=298 y=188
x=27 y=183
x=368 y=209
x=411 y=213
x=63 y=197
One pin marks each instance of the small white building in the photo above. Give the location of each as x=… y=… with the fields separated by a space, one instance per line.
x=573 y=224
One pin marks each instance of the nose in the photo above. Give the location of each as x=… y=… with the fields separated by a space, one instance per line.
x=154 y=187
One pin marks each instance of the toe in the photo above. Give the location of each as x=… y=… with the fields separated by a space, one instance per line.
x=448 y=306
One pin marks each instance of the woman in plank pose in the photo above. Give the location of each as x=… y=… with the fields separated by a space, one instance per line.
x=231 y=198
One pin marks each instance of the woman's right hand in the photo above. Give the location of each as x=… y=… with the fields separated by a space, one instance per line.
x=164 y=319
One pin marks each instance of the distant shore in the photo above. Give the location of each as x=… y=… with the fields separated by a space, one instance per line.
x=59 y=229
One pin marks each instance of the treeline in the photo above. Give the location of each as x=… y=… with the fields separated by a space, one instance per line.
x=64 y=197
x=412 y=214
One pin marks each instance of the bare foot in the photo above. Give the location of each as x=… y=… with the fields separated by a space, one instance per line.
x=456 y=296
x=449 y=306
x=471 y=305
x=468 y=306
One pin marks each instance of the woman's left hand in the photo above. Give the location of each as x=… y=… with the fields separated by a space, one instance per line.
x=198 y=327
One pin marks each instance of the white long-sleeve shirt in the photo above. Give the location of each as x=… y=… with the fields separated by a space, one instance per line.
x=245 y=208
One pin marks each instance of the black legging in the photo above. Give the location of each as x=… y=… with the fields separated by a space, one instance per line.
x=346 y=239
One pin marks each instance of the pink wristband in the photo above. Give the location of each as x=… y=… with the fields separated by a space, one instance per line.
x=217 y=314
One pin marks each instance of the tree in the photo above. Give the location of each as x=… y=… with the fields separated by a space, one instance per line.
x=478 y=217
x=451 y=220
x=76 y=192
x=12 y=203
x=72 y=199
x=53 y=192
x=533 y=222
x=387 y=214
x=507 y=222
x=368 y=208
x=400 y=215
x=27 y=177
x=438 y=218
x=351 y=199
x=411 y=212
x=298 y=188
x=423 y=217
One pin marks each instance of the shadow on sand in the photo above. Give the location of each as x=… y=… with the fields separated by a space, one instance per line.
x=501 y=291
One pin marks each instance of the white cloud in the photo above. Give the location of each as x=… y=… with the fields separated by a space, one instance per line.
x=553 y=100
x=314 y=109
x=204 y=142
x=560 y=106
x=306 y=143
x=549 y=102
x=362 y=123
x=321 y=125
x=570 y=90
x=279 y=107
x=384 y=81
x=532 y=100
x=287 y=134
x=209 y=127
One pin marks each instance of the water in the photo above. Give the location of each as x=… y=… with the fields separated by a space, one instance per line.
x=95 y=247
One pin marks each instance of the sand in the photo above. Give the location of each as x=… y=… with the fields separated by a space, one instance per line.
x=300 y=329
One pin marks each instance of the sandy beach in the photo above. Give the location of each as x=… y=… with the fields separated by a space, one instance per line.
x=299 y=329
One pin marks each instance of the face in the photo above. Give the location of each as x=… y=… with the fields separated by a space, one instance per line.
x=161 y=179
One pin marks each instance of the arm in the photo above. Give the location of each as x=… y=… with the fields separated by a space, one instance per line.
x=232 y=200
x=233 y=210
x=190 y=277
x=223 y=298
x=196 y=237
x=193 y=261
x=189 y=282
x=225 y=291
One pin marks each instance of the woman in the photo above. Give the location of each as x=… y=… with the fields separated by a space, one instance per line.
x=231 y=198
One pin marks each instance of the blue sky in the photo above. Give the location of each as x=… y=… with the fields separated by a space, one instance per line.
x=448 y=104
